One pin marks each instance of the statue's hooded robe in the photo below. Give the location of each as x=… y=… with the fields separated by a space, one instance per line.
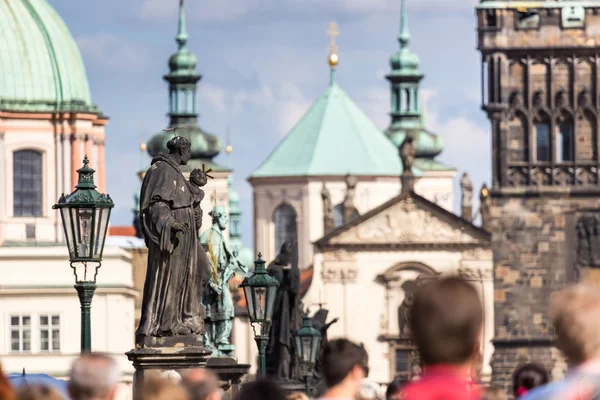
x=177 y=264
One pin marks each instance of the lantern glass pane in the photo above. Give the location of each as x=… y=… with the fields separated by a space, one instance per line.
x=84 y=231
x=272 y=294
x=68 y=226
x=299 y=347
x=316 y=344
x=102 y=215
x=306 y=349
x=260 y=297
x=248 y=293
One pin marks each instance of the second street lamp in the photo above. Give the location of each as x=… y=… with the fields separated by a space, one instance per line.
x=260 y=290
x=308 y=341
x=85 y=214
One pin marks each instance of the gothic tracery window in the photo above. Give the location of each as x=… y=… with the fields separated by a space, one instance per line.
x=565 y=144
x=27 y=183
x=542 y=141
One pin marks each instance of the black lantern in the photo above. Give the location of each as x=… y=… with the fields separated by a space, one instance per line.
x=85 y=214
x=308 y=341
x=260 y=290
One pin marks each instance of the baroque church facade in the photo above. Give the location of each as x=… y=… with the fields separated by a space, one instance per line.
x=363 y=240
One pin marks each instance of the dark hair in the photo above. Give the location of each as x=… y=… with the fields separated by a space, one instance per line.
x=393 y=388
x=446 y=319
x=37 y=392
x=529 y=376
x=178 y=143
x=263 y=389
x=339 y=357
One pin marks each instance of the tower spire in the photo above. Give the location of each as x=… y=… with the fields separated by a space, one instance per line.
x=182 y=35
x=404 y=35
x=333 y=58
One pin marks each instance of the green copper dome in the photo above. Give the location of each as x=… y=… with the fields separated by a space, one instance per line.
x=40 y=65
x=182 y=62
x=404 y=62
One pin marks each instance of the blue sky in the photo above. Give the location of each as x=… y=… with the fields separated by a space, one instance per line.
x=263 y=63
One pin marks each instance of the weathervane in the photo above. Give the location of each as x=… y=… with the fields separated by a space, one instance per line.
x=174 y=129
x=332 y=32
x=207 y=172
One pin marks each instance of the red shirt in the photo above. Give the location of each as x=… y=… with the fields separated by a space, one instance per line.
x=441 y=382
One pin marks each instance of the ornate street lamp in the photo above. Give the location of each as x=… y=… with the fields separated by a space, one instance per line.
x=260 y=290
x=308 y=341
x=85 y=214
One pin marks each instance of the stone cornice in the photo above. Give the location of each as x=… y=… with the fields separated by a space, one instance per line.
x=368 y=247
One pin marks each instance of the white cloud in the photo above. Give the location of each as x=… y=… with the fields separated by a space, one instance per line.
x=114 y=52
x=213 y=96
x=201 y=11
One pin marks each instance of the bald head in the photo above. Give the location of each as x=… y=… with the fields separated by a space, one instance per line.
x=94 y=377
x=202 y=384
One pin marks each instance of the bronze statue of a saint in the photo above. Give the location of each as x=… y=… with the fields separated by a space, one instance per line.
x=170 y=217
x=408 y=153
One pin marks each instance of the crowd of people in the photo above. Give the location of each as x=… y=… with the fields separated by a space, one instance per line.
x=447 y=325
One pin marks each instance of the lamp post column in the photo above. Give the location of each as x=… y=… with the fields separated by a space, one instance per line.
x=85 y=291
x=261 y=342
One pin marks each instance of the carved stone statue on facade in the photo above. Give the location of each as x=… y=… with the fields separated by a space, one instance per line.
x=466 y=186
x=409 y=288
x=287 y=315
x=484 y=206
x=169 y=212
x=217 y=296
x=327 y=210
x=350 y=211
x=407 y=154
x=588 y=241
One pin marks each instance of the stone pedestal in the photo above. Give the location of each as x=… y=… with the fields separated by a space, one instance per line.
x=292 y=386
x=230 y=373
x=161 y=359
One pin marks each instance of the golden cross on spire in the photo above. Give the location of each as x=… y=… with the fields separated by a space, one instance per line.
x=332 y=32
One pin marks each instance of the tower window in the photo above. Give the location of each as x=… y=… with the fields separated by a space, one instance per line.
x=27 y=183
x=542 y=140
x=491 y=18
x=565 y=148
x=528 y=19
x=286 y=227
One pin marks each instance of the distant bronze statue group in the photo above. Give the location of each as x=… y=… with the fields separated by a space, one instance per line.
x=187 y=293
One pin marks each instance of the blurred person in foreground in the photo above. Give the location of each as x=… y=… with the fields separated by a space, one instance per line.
x=575 y=315
x=528 y=377
x=297 y=396
x=494 y=393
x=345 y=365
x=37 y=392
x=446 y=320
x=94 y=377
x=161 y=388
x=391 y=393
x=261 y=390
x=202 y=384
x=6 y=389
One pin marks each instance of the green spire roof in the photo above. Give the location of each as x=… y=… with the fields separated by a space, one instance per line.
x=183 y=80
x=334 y=137
x=404 y=62
x=41 y=67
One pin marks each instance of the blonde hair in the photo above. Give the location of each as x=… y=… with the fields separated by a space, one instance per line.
x=37 y=392
x=575 y=314
x=297 y=396
x=159 y=388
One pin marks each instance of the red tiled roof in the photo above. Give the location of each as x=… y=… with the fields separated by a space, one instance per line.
x=121 y=231
x=305 y=281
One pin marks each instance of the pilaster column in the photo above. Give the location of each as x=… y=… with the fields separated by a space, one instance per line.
x=89 y=146
x=65 y=160
x=101 y=167
x=76 y=159
x=3 y=178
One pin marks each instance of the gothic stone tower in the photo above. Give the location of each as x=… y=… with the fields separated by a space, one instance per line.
x=540 y=65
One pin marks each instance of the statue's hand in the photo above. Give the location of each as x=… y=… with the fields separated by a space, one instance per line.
x=181 y=227
x=216 y=287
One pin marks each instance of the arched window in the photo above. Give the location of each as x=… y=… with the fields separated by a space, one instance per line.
x=286 y=228
x=565 y=150
x=542 y=141
x=338 y=215
x=27 y=183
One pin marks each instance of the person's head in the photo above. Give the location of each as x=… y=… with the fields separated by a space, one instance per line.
x=180 y=148
x=94 y=377
x=297 y=396
x=160 y=388
x=393 y=389
x=6 y=389
x=37 y=392
x=527 y=377
x=219 y=217
x=344 y=363
x=494 y=393
x=446 y=320
x=198 y=177
x=575 y=314
x=202 y=384
x=261 y=389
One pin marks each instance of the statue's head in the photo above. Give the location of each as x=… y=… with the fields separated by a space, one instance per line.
x=219 y=217
x=198 y=177
x=181 y=147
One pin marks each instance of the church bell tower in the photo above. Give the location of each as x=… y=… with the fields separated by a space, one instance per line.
x=539 y=71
